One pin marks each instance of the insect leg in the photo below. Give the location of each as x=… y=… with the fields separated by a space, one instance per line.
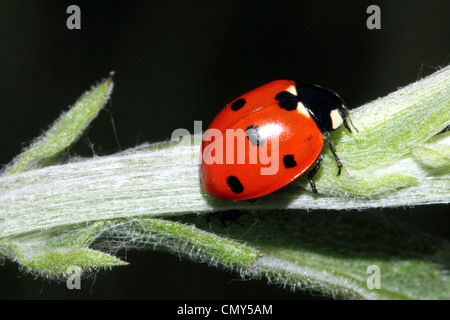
x=326 y=135
x=313 y=172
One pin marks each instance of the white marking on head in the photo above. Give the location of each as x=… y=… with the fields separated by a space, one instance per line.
x=336 y=119
x=302 y=110
x=292 y=90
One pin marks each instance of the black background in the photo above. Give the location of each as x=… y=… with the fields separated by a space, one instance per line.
x=180 y=61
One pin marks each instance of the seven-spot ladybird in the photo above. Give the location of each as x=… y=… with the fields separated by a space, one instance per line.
x=268 y=137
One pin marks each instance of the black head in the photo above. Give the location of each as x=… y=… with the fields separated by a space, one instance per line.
x=325 y=106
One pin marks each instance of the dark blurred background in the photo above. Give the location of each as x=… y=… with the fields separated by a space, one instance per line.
x=181 y=61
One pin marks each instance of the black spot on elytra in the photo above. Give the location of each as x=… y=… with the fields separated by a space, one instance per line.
x=238 y=104
x=252 y=133
x=287 y=100
x=288 y=161
x=234 y=184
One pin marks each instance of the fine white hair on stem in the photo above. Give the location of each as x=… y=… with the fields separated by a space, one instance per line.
x=53 y=214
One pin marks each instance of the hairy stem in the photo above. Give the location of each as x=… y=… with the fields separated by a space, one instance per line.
x=53 y=214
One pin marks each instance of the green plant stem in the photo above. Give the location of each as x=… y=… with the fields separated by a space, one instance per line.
x=50 y=213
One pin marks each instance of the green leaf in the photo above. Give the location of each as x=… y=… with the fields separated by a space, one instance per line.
x=54 y=217
x=84 y=258
x=64 y=131
x=176 y=237
x=330 y=253
x=436 y=152
x=51 y=253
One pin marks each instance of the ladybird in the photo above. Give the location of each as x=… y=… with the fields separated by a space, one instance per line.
x=268 y=137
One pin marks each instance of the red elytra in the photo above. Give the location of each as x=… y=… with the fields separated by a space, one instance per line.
x=268 y=137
